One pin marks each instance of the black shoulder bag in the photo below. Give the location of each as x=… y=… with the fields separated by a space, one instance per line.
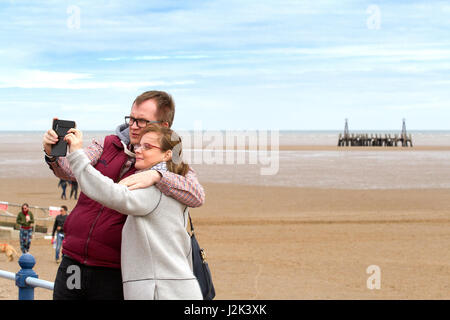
x=201 y=268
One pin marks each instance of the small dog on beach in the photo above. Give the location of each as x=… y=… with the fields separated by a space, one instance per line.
x=8 y=250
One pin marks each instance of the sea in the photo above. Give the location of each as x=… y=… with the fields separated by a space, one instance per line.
x=269 y=163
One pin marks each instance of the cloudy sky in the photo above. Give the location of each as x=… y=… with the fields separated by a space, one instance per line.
x=229 y=64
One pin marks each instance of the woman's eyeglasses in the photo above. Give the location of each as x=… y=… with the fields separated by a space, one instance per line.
x=145 y=147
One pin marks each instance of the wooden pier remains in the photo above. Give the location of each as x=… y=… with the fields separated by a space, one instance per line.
x=374 y=139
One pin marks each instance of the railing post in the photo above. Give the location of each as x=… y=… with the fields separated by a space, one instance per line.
x=26 y=262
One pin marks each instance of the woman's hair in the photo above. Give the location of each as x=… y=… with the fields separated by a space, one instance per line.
x=169 y=140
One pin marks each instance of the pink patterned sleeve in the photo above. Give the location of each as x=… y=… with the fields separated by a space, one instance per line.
x=61 y=167
x=186 y=189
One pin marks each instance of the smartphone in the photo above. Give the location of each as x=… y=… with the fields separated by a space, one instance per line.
x=61 y=127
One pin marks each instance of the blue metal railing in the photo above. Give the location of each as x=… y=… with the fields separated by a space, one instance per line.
x=26 y=279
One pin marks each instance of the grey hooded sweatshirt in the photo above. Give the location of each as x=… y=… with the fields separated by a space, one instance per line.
x=156 y=257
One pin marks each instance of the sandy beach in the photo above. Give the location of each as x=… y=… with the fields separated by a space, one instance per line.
x=295 y=243
x=335 y=148
x=260 y=97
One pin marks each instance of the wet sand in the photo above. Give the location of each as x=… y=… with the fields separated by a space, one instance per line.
x=294 y=243
x=335 y=148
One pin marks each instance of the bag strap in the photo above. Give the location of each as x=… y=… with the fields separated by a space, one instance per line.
x=190 y=222
x=202 y=251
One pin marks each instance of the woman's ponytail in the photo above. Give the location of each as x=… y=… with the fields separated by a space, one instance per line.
x=170 y=140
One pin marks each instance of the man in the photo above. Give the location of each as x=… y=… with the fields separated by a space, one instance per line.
x=63 y=184
x=58 y=227
x=26 y=220
x=74 y=190
x=93 y=232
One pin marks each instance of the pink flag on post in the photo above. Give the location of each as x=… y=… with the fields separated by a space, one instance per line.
x=54 y=211
x=3 y=206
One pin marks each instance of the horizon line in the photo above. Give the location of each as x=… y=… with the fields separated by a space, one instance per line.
x=280 y=130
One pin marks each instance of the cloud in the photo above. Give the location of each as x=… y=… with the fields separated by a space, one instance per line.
x=38 y=79
x=89 y=108
x=419 y=106
x=112 y=59
x=150 y=58
x=310 y=57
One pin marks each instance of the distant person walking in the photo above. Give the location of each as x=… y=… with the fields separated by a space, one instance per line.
x=58 y=228
x=26 y=220
x=74 y=189
x=63 y=184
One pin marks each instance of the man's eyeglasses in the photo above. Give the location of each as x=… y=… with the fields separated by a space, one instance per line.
x=141 y=123
x=145 y=147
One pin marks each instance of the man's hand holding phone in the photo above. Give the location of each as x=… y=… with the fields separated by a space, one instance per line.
x=50 y=139
x=74 y=138
x=53 y=142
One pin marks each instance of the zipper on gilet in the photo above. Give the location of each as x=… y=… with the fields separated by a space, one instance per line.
x=89 y=235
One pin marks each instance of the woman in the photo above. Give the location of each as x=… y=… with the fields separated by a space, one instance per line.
x=25 y=219
x=156 y=259
x=63 y=184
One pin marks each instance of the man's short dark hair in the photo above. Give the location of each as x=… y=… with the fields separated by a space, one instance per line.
x=164 y=104
x=65 y=208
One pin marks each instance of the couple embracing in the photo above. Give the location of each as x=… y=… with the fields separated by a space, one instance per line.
x=127 y=234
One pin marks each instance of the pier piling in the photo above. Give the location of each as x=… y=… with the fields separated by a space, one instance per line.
x=374 y=140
